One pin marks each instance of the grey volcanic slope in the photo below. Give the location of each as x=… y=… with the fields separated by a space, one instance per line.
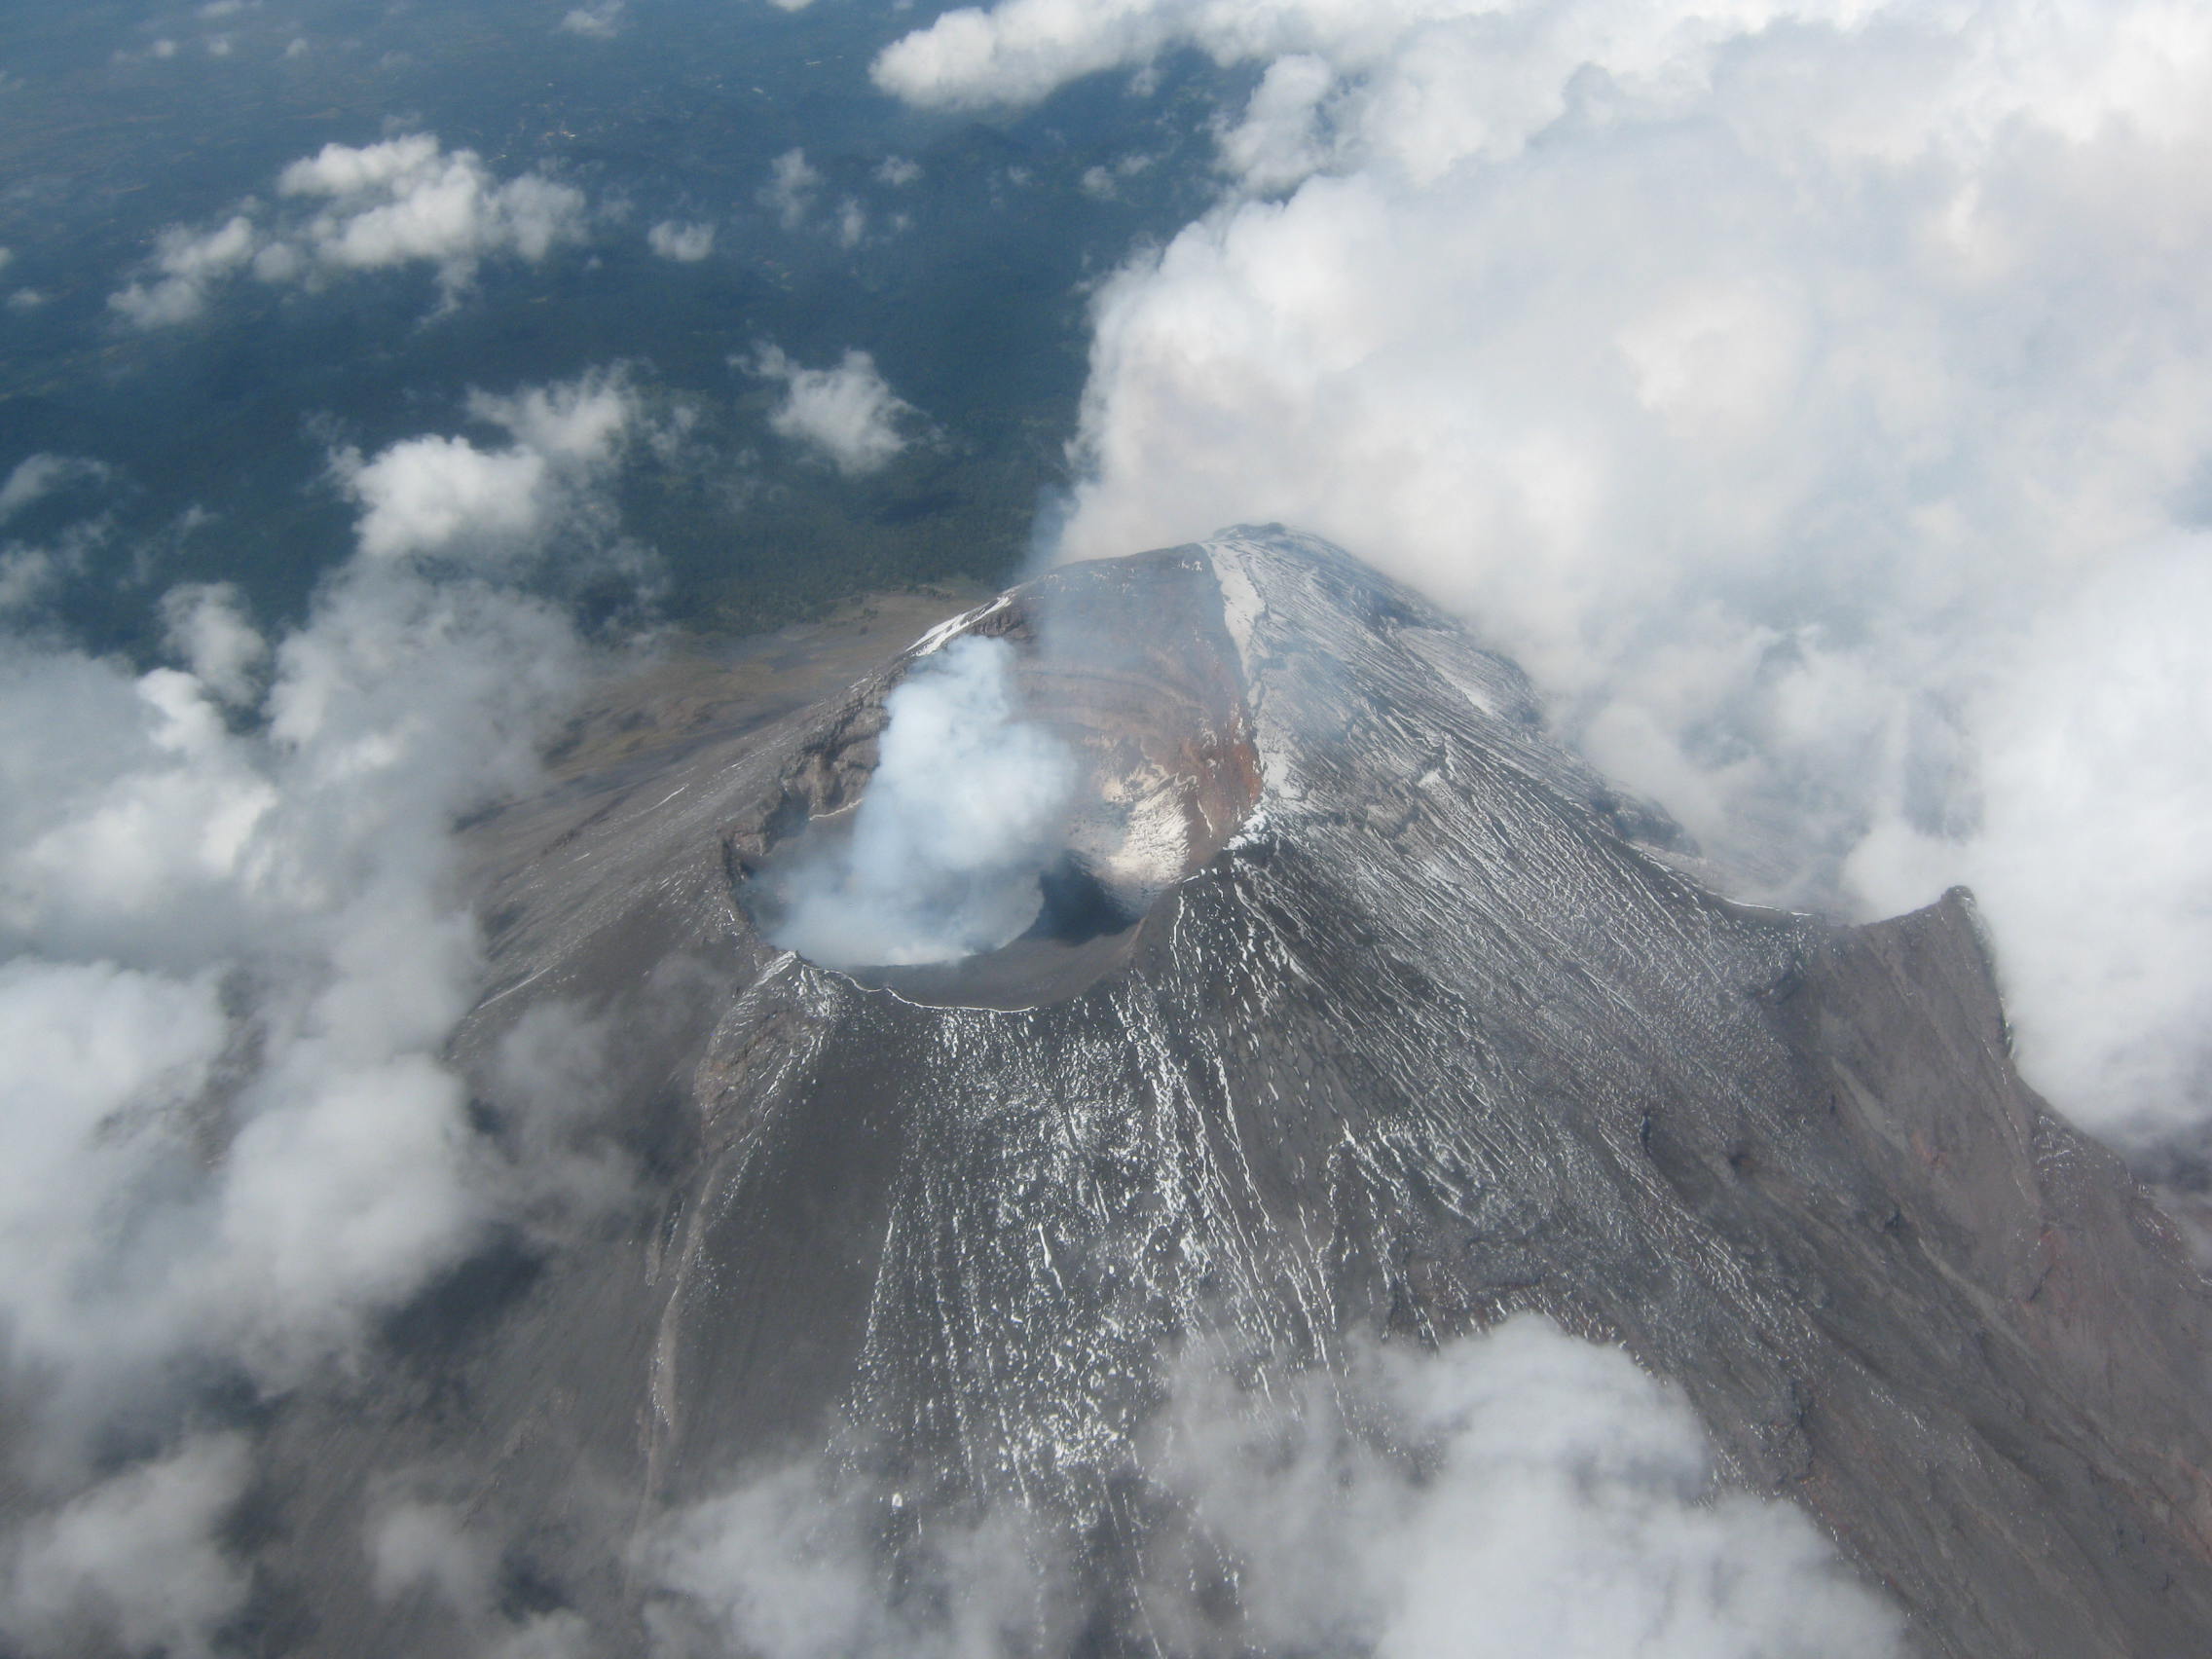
x=1415 y=1026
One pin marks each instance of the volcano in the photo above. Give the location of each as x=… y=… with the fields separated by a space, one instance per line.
x=1356 y=1012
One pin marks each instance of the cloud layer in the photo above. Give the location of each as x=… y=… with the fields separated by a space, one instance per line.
x=1818 y=398
x=234 y=954
x=1518 y=1493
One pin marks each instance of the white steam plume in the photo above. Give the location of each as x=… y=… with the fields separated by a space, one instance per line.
x=964 y=811
x=1816 y=397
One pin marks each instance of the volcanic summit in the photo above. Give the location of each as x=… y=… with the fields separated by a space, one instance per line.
x=1339 y=1007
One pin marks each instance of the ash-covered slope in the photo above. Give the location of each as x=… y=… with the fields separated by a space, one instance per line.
x=1394 y=1019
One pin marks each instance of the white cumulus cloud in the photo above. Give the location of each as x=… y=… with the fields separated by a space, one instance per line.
x=602 y=21
x=848 y=414
x=1515 y=1493
x=404 y=200
x=208 y=628
x=37 y=476
x=407 y=200
x=444 y=496
x=419 y=1548
x=686 y=243
x=132 y=1561
x=788 y=193
x=232 y=954
x=185 y=267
